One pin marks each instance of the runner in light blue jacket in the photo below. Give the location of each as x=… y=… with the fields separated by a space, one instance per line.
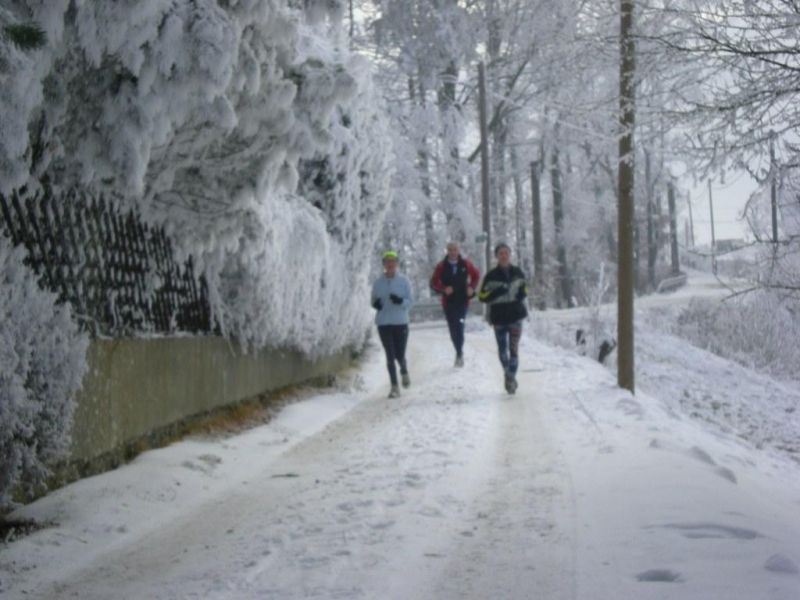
x=392 y=299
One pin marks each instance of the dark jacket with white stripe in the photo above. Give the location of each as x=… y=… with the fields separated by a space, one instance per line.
x=505 y=290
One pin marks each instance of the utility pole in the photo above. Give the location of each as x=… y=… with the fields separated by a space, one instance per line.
x=713 y=237
x=486 y=221
x=625 y=185
x=773 y=188
x=538 y=254
x=691 y=220
x=673 y=229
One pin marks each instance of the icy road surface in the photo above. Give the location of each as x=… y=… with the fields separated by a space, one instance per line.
x=570 y=489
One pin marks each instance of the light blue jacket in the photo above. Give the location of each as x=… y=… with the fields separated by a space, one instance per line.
x=391 y=313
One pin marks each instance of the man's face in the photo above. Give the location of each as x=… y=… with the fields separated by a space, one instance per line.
x=452 y=252
x=504 y=257
x=390 y=266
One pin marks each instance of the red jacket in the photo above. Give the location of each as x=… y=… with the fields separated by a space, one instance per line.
x=466 y=275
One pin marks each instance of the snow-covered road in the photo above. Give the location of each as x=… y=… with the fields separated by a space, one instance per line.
x=570 y=489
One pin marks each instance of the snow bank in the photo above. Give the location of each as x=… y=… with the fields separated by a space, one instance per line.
x=42 y=362
x=759 y=330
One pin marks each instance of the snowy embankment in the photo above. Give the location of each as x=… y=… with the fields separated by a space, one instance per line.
x=570 y=489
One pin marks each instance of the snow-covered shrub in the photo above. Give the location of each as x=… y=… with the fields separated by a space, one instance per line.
x=206 y=115
x=42 y=363
x=759 y=330
x=777 y=266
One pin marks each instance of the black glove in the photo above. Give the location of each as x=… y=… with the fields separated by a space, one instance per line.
x=378 y=304
x=521 y=293
x=395 y=298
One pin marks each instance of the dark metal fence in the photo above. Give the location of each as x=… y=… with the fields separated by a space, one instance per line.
x=119 y=274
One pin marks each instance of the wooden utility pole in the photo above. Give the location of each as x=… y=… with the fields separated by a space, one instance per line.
x=538 y=254
x=713 y=236
x=486 y=221
x=625 y=183
x=673 y=229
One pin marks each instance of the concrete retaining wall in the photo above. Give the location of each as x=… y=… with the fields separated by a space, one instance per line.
x=136 y=387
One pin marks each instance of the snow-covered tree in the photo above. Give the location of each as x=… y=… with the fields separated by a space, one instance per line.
x=42 y=363
x=741 y=111
x=208 y=116
x=422 y=49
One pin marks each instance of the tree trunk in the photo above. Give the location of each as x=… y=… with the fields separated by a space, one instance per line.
x=538 y=254
x=498 y=132
x=565 y=283
x=499 y=137
x=625 y=187
x=451 y=189
x=652 y=246
x=673 y=230
x=519 y=209
x=638 y=280
x=652 y=240
x=423 y=165
x=485 y=187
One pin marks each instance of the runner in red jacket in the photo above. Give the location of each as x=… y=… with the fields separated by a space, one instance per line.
x=456 y=279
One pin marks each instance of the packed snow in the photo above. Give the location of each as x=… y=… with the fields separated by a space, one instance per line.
x=572 y=488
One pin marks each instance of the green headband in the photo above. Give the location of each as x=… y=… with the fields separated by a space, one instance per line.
x=390 y=254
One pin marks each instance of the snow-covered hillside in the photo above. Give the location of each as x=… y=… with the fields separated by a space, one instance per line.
x=570 y=489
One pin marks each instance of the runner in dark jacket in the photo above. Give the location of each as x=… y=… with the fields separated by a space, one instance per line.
x=504 y=290
x=456 y=279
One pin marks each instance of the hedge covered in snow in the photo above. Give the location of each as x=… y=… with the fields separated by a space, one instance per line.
x=247 y=128
x=42 y=363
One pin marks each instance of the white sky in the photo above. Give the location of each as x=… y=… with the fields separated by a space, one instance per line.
x=729 y=197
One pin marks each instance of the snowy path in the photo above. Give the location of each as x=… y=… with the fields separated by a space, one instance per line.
x=570 y=489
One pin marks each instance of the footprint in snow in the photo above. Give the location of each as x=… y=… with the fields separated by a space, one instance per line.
x=659 y=576
x=208 y=462
x=778 y=563
x=726 y=473
x=630 y=408
x=699 y=531
x=430 y=511
x=701 y=455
